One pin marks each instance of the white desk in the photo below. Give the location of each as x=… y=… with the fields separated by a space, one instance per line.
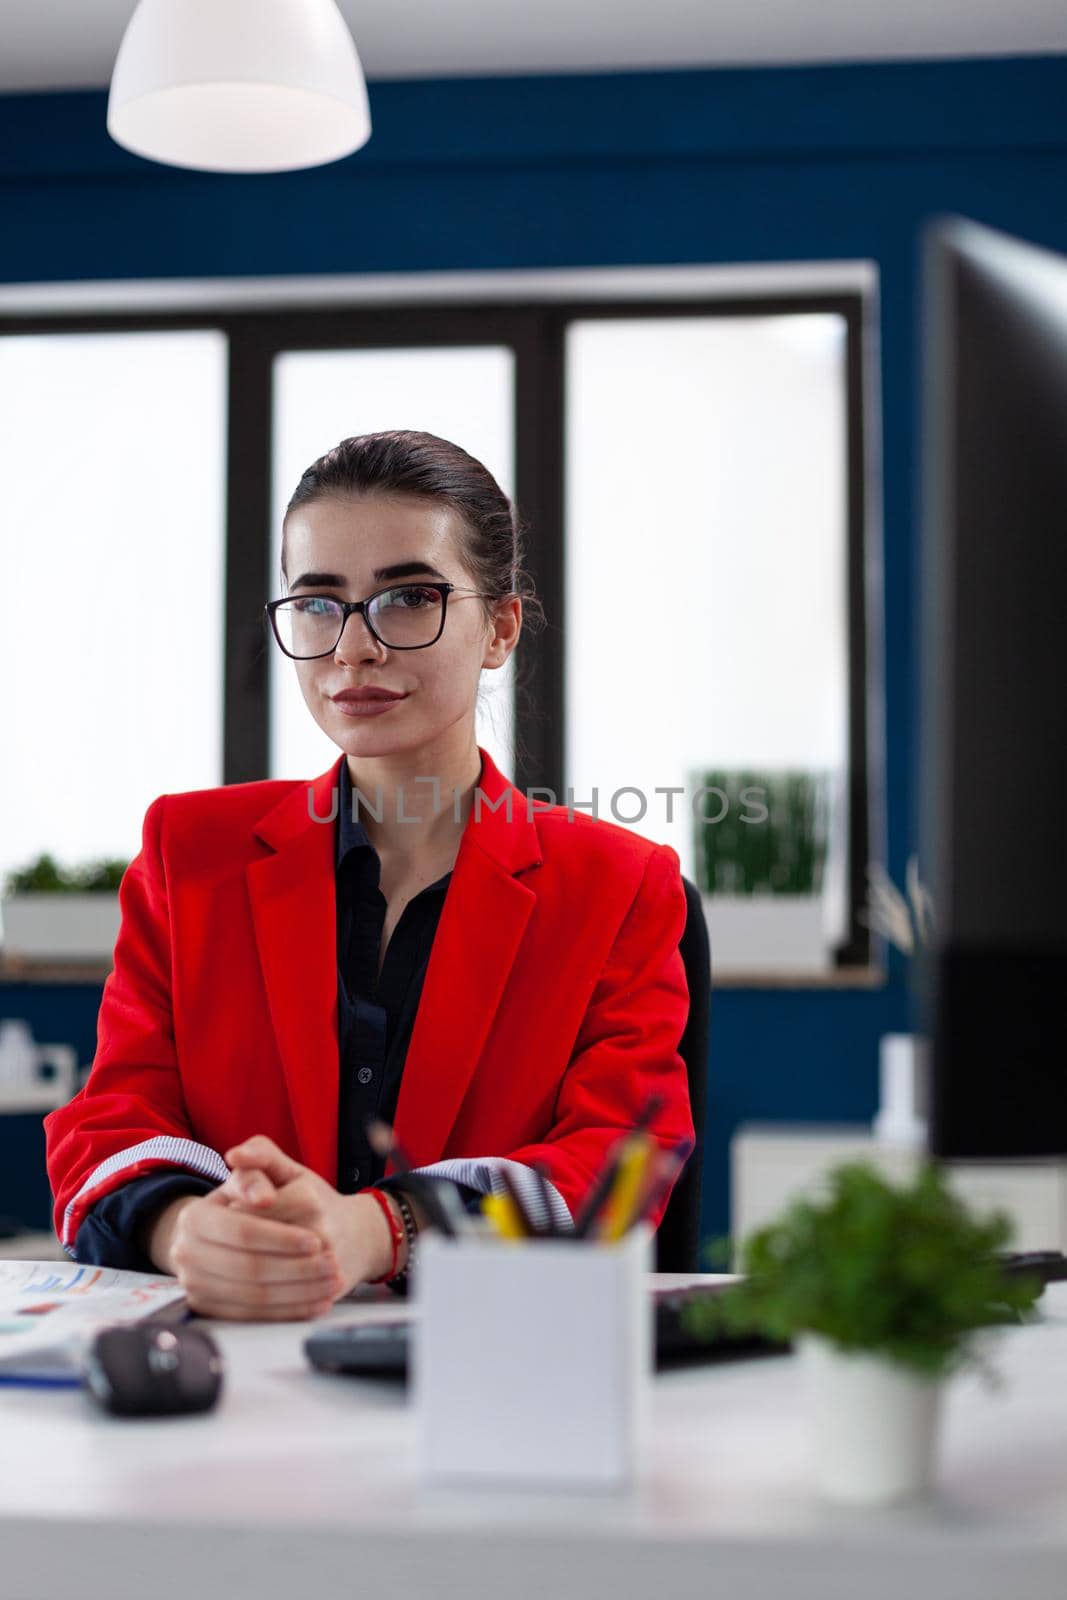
x=302 y=1485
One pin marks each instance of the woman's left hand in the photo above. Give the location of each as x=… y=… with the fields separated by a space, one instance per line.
x=266 y=1181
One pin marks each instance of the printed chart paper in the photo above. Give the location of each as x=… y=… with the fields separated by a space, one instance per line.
x=50 y=1311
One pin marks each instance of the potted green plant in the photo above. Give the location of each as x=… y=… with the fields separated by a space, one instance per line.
x=885 y=1291
x=761 y=842
x=62 y=913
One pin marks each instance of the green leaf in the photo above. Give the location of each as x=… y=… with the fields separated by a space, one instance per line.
x=44 y=876
x=905 y=1271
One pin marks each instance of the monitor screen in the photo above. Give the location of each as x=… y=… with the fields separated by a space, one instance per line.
x=993 y=724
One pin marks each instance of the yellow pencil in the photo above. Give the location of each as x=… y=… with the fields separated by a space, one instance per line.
x=501 y=1211
x=621 y=1203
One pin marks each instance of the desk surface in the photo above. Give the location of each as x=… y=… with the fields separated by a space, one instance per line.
x=302 y=1484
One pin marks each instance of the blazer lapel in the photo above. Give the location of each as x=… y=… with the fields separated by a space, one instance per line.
x=481 y=926
x=294 y=911
x=482 y=922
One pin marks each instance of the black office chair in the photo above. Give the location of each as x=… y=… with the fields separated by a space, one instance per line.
x=677 y=1247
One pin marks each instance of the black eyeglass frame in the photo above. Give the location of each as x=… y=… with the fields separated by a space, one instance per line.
x=360 y=606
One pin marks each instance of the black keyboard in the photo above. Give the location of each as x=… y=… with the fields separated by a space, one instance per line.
x=1049 y=1265
x=380 y=1349
x=677 y=1346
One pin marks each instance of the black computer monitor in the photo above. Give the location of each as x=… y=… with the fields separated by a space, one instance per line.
x=993 y=659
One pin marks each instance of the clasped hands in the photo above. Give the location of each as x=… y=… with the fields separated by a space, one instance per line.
x=276 y=1241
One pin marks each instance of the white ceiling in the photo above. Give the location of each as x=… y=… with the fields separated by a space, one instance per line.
x=71 y=44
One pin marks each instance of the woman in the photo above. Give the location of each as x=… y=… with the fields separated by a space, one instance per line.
x=406 y=938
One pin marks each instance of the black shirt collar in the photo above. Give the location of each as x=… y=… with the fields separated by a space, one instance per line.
x=351 y=835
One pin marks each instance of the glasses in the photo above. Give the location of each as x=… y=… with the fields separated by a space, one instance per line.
x=408 y=617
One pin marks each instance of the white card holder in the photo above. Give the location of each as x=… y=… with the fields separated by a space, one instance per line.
x=531 y=1359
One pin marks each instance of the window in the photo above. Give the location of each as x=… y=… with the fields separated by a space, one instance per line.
x=706 y=576
x=687 y=448
x=323 y=396
x=112 y=457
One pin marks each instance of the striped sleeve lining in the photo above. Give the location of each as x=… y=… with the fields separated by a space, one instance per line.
x=484 y=1174
x=164 y=1147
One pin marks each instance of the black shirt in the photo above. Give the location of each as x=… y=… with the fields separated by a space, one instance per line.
x=375 y=1015
x=375 y=1019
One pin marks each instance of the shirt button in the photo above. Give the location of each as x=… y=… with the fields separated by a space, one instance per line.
x=355 y=1174
x=365 y=1074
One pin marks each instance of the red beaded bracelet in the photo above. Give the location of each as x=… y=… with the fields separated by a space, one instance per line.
x=396 y=1231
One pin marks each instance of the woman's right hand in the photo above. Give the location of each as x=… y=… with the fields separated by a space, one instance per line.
x=234 y=1264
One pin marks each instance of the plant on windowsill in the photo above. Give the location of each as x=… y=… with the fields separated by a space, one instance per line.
x=886 y=1291
x=761 y=839
x=907 y=923
x=60 y=913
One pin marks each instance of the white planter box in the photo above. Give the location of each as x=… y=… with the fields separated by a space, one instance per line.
x=767 y=933
x=64 y=927
x=531 y=1360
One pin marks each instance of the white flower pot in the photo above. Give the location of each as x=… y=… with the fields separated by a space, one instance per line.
x=873 y=1425
x=62 y=927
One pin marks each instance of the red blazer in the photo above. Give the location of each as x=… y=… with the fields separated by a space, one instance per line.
x=553 y=1002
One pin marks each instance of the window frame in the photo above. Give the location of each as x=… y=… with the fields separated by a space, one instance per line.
x=535 y=329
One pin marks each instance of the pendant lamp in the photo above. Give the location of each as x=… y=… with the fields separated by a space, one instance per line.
x=238 y=85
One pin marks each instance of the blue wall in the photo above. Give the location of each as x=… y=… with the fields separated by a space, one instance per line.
x=779 y=164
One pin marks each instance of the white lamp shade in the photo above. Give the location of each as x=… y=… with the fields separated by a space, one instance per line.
x=238 y=85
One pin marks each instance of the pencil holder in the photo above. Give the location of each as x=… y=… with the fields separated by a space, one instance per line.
x=531 y=1358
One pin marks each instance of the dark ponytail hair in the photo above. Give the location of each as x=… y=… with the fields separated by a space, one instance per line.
x=422 y=466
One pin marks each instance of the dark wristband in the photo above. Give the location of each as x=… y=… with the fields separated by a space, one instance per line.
x=400 y=1279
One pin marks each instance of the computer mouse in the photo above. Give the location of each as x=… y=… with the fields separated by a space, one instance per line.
x=144 y=1370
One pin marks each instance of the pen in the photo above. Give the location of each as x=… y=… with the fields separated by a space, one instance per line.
x=662 y=1175
x=597 y=1194
x=606 y=1176
x=42 y=1382
x=384 y=1142
x=648 y=1111
x=447 y=1197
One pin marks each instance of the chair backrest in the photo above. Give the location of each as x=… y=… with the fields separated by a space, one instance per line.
x=677 y=1246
